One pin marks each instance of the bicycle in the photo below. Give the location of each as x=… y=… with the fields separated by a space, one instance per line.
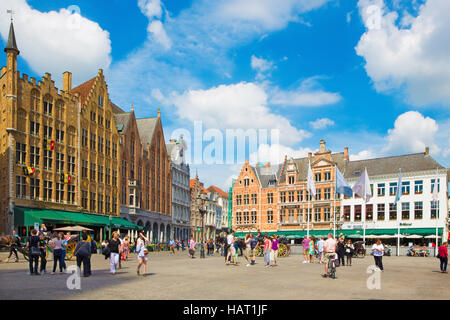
x=331 y=268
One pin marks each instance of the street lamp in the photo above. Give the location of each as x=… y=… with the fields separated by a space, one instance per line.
x=200 y=203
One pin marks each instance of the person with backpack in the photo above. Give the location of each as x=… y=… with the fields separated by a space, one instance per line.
x=83 y=255
x=34 y=252
x=253 y=243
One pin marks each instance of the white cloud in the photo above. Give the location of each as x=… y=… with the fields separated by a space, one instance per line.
x=412 y=132
x=321 y=123
x=150 y=8
x=275 y=153
x=308 y=94
x=261 y=66
x=362 y=155
x=413 y=56
x=236 y=106
x=157 y=29
x=57 y=41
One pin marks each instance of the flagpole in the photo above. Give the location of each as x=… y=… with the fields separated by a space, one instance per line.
x=436 y=185
x=397 y=197
x=334 y=205
x=309 y=205
x=364 y=211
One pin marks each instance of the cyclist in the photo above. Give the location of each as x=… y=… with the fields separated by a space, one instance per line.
x=330 y=252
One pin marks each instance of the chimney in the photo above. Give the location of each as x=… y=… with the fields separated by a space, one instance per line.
x=309 y=156
x=246 y=161
x=67 y=81
x=427 y=151
x=268 y=165
x=346 y=153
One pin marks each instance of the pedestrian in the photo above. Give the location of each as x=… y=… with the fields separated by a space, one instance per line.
x=329 y=249
x=43 y=246
x=253 y=243
x=142 y=251
x=34 y=252
x=305 y=245
x=443 y=256
x=177 y=244
x=114 y=250
x=83 y=254
x=183 y=246
x=63 y=252
x=247 y=242
x=236 y=250
x=12 y=247
x=126 y=247
x=267 y=248
x=349 y=248
x=192 y=247
x=320 y=244
x=341 y=251
x=274 y=250
x=312 y=249
x=229 y=243
x=120 y=251
x=172 y=245
x=91 y=243
x=378 y=251
x=57 y=244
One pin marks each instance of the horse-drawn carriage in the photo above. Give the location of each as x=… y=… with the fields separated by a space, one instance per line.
x=284 y=248
x=359 y=251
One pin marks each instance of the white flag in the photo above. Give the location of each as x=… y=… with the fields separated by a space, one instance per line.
x=362 y=187
x=311 y=186
x=435 y=189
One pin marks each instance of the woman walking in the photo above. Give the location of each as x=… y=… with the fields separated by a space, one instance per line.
x=378 y=251
x=34 y=252
x=142 y=252
x=247 y=240
x=349 y=248
x=114 y=249
x=126 y=247
x=341 y=251
x=312 y=249
x=274 y=250
x=57 y=245
x=83 y=255
x=443 y=256
x=267 y=246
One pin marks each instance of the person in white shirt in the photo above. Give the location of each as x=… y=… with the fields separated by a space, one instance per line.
x=230 y=238
x=320 y=245
x=378 y=252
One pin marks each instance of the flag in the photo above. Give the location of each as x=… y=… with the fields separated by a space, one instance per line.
x=66 y=178
x=436 y=188
x=362 y=187
x=342 y=185
x=49 y=144
x=399 y=186
x=28 y=171
x=311 y=186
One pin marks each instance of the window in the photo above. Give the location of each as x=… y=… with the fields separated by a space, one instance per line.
x=59 y=192
x=308 y=196
x=253 y=216
x=327 y=193
x=107 y=204
x=20 y=187
x=47 y=190
x=326 y=214
x=246 y=217
x=132 y=171
x=269 y=216
x=254 y=199
x=405 y=187
x=100 y=203
x=270 y=198
x=392 y=188
x=100 y=120
x=100 y=173
x=358 y=213
x=93 y=141
x=84 y=168
x=84 y=137
x=35 y=100
x=291 y=196
x=282 y=197
x=309 y=214
x=381 y=189
x=433 y=183
x=369 y=212
x=418 y=187
x=34 y=127
x=418 y=210
x=124 y=168
x=48 y=105
x=108 y=147
x=114 y=150
x=100 y=144
x=92 y=172
x=246 y=199
x=318 y=177
x=71 y=193
x=380 y=211
x=291 y=215
x=71 y=164
x=108 y=176
x=246 y=182
x=291 y=179
x=299 y=195
x=318 y=194
x=114 y=177
x=100 y=101
x=93 y=116
x=327 y=176
x=405 y=210
x=108 y=124
x=20 y=153
x=434 y=209
x=131 y=197
x=282 y=215
x=114 y=204
x=60 y=135
x=59 y=162
x=317 y=214
x=34 y=188
x=48 y=131
x=392 y=211
x=238 y=200
x=238 y=218
x=346 y=213
x=48 y=158
x=84 y=199
x=92 y=202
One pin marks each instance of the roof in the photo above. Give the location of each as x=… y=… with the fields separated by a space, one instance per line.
x=146 y=128
x=169 y=148
x=12 y=45
x=303 y=163
x=115 y=108
x=84 y=89
x=267 y=174
x=122 y=120
x=218 y=191
x=192 y=182
x=391 y=165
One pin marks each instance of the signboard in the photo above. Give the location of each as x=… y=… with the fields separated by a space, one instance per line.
x=36 y=226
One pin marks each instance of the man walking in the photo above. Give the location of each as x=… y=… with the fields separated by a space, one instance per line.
x=305 y=244
x=320 y=245
x=229 y=243
x=329 y=248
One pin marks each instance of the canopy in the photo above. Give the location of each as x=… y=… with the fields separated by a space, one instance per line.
x=431 y=237
x=414 y=236
x=73 y=228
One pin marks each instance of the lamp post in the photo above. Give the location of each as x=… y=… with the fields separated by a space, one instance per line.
x=200 y=202
x=110 y=218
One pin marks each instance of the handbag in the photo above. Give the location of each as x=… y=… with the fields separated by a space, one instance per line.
x=35 y=251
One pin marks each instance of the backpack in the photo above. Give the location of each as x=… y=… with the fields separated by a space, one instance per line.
x=93 y=246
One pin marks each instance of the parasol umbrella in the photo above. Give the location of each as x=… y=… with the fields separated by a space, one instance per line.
x=414 y=236
x=386 y=236
x=73 y=228
x=431 y=237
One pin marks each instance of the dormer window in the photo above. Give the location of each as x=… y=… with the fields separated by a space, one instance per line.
x=318 y=177
x=246 y=182
x=291 y=179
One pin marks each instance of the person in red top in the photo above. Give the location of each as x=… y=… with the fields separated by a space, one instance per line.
x=443 y=256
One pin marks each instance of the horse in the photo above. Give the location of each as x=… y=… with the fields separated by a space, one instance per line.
x=10 y=242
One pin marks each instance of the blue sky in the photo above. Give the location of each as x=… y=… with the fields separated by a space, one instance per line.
x=364 y=74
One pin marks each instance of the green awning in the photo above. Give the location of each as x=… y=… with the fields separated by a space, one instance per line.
x=28 y=217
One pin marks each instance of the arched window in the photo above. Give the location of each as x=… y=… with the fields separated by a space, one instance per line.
x=35 y=100
x=48 y=105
